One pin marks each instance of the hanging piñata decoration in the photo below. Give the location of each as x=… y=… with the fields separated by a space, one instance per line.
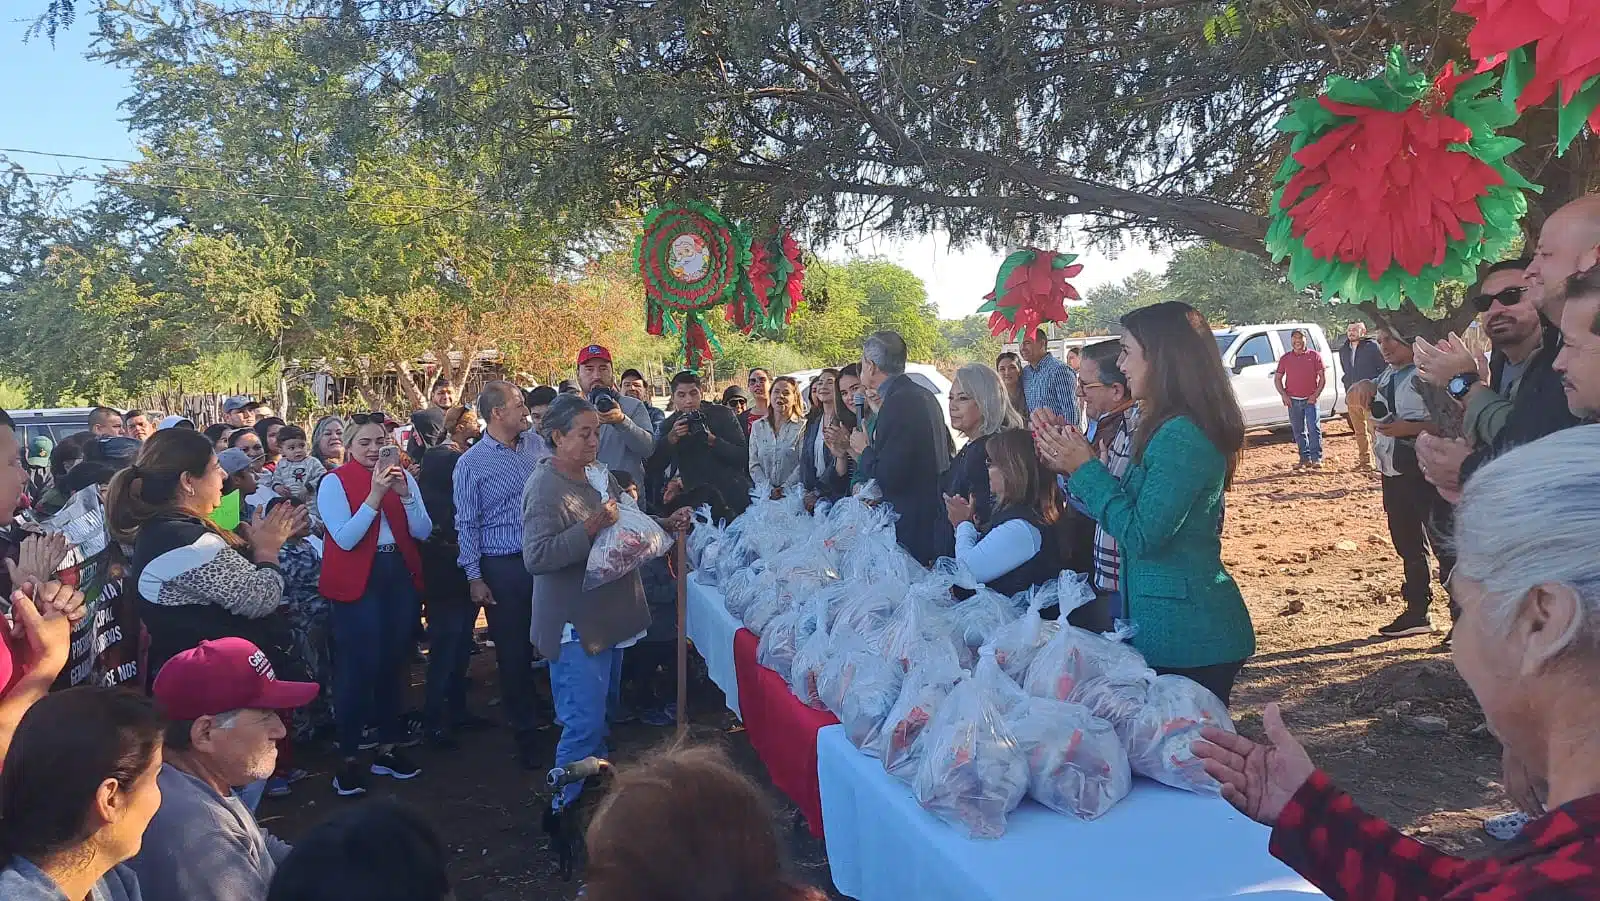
x=1030 y=290
x=1394 y=184
x=1549 y=48
x=769 y=294
x=692 y=261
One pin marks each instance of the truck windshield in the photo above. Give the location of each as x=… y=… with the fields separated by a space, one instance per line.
x=1224 y=341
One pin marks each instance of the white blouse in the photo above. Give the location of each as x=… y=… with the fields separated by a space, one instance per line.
x=775 y=459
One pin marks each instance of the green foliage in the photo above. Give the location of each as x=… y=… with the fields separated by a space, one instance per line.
x=967 y=340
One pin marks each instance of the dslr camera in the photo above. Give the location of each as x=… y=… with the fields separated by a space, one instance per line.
x=697 y=422
x=604 y=399
x=1380 y=409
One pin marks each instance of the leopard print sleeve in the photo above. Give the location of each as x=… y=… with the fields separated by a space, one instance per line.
x=208 y=571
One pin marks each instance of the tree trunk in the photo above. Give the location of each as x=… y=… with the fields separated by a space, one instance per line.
x=407 y=383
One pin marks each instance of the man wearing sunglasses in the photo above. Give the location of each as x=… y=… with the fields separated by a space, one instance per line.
x=1568 y=244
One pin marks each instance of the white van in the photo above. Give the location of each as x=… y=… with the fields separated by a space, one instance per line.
x=1251 y=352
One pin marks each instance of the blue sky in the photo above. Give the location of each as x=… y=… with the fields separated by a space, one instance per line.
x=57 y=101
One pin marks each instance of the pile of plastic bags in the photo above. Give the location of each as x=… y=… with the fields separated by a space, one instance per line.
x=974 y=702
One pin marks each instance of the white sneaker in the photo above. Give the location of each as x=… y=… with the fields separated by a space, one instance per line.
x=1506 y=826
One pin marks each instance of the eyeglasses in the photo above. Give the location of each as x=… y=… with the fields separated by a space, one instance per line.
x=1510 y=297
x=1084 y=386
x=376 y=417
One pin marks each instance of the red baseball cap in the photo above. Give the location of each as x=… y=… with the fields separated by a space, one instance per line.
x=593 y=352
x=222 y=675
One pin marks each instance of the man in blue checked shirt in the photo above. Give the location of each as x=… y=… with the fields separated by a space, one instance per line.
x=488 y=485
x=1047 y=383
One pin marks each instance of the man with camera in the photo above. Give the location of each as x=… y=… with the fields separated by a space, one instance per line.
x=706 y=444
x=1410 y=502
x=626 y=434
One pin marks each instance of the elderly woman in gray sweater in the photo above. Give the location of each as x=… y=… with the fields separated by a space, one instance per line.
x=582 y=633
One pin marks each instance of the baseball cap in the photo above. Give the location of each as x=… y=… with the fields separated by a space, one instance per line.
x=175 y=421
x=593 y=352
x=221 y=675
x=236 y=403
x=39 y=450
x=234 y=460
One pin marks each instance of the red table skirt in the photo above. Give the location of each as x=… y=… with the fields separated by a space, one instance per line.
x=781 y=729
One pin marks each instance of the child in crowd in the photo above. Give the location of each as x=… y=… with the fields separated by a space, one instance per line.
x=307 y=611
x=1017 y=548
x=642 y=663
x=298 y=472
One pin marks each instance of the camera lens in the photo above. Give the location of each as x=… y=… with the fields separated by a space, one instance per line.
x=1380 y=408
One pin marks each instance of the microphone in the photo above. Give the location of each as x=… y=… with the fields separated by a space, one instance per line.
x=576 y=772
x=860 y=400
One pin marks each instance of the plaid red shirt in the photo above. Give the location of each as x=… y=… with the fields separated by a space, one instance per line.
x=1349 y=853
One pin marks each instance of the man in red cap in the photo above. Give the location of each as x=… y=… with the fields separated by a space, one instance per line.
x=221 y=700
x=627 y=434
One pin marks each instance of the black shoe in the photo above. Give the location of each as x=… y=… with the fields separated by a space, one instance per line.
x=471 y=722
x=1408 y=624
x=350 y=780
x=442 y=740
x=369 y=739
x=396 y=765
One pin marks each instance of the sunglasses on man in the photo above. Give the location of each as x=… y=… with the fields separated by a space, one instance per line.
x=1510 y=297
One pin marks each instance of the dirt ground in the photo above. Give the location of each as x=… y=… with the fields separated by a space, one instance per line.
x=1389 y=719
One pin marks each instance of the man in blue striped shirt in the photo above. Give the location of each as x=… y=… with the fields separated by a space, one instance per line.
x=488 y=485
x=1047 y=383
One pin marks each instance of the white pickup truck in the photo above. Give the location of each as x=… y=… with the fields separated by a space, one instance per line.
x=1251 y=352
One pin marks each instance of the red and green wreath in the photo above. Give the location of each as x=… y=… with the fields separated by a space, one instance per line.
x=1031 y=288
x=1549 y=48
x=692 y=260
x=1394 y=184
x=770 y=292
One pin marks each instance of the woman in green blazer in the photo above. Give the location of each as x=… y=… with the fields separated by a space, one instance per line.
x=1166 y=511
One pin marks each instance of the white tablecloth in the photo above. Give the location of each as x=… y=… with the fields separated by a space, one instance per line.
x=711 y=628
x=1158 y=844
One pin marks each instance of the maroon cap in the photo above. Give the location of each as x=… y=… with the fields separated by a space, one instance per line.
x=222 y=675
x=593 y=352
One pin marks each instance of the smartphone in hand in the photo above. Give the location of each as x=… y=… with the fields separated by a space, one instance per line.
x=388 y=456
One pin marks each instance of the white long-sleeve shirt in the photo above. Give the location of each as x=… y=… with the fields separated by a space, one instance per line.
x=347 y=528
x=1006 y=547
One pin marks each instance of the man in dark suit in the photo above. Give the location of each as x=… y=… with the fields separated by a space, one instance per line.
x=908 y=451
x=707 y=446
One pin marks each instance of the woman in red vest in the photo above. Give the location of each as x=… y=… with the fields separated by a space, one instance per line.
x=372 y=574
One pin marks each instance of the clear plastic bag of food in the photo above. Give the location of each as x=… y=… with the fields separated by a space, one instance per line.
x=779 y=643
x=739 y=590
x=868 y=608
x=705 y=534
x=916 y=624
x=1074 y=655
x=848 y=520
x=768 y=603
x=1117 y=697
x=1016 y=643
x=805 y=672
x=1160 y=737
x=925 y=687
x=860 y=687
x=979 y=617
x=1076 y=762
x=626 y=544
x=972 y=773
x=878 y=557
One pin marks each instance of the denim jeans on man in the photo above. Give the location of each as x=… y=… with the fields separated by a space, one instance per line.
x=1306 y=424
x=372 y=651
x=586 y=688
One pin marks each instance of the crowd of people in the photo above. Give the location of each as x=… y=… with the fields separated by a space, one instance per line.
x=297 y=614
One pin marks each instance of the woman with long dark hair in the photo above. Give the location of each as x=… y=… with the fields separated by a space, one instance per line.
x=1009 y=366
x=77 y=790
x=372 y=575
x=195 y=580
x=1165 y=510
x=267 y=430
x=823 y=475
x=1013 y=549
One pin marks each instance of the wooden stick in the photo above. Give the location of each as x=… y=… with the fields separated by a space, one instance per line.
x=683 y=636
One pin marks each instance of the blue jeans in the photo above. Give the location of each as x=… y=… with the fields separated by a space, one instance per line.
x=372 y=651
x=586 y=688
x=1306 y=423
x=450 y=624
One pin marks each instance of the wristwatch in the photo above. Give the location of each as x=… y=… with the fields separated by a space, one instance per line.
x=1461 y=384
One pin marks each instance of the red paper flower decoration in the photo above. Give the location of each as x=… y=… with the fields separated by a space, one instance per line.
x=1030 y=289
x=1549 y=47
x=1394 y=183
